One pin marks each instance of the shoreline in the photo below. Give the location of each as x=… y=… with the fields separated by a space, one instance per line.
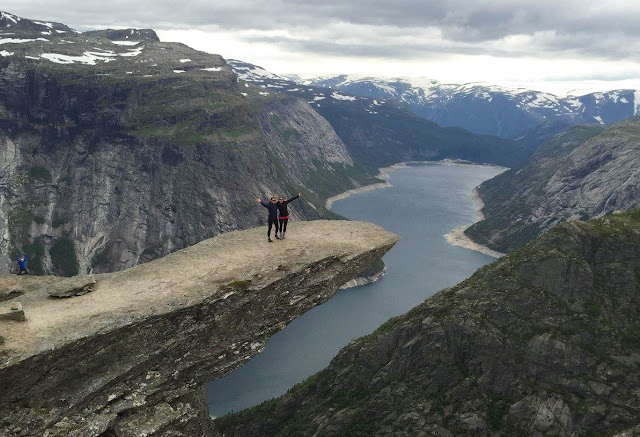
x=383 y=173
x=457 y=237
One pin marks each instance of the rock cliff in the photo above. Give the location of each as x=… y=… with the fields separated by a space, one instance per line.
x=544 y=342
x=117 y=148
x=583 y=172
x=132 y=357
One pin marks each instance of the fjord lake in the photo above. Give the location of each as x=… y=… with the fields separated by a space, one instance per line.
x=422 y=205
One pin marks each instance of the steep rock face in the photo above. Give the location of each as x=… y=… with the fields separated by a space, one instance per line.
x=132 y=357
x=584 y=172
x=545 y=341
x=117 y=148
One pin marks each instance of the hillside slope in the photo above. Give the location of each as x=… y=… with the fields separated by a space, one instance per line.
x=546 y=341
x=118 y=148
x=584 y=172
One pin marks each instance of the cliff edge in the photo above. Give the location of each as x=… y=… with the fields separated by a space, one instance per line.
x=133 y=356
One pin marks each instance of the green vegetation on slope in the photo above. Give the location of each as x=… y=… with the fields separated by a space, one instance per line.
x=554 y=185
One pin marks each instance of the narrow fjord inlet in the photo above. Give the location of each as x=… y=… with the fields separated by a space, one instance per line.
x=455 y=189
x=423 y=204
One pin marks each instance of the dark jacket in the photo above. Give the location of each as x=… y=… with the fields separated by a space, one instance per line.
x=282 y=206
x=273 y=209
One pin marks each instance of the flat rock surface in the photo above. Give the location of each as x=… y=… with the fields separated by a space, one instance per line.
x=181 y=279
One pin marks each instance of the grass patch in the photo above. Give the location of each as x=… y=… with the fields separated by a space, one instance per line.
x=592 y=309
x=63 y=257
x=237 y=285
x=19 y=221
x=496 y=410
x=101 y=258
x=39 y=173
x=59 y=221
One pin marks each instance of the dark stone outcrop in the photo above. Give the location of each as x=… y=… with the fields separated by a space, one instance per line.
x=544 y=342
x=133 y=357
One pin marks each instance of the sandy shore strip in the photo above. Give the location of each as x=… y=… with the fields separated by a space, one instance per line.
x=350 y=193
x=457 y=237
x=384 y=175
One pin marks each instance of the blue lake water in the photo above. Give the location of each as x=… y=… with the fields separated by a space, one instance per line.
x=424 y=203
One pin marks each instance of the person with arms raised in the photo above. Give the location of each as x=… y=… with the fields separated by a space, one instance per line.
x=283 y=214
x=273 y=216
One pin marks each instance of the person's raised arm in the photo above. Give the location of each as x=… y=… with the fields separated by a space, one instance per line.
x=293 y=198
x=25 y=257
x=261 y=202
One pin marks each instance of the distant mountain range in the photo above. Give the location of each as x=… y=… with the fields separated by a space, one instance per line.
x=381 y=131
x=478 y=107
x=489 y=109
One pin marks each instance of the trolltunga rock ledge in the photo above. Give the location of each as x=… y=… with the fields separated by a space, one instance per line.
x=133 y=357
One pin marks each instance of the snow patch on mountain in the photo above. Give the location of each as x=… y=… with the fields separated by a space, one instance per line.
x=20 y=40
x=10 y=17
x=5 y=53
x=339 y=96
x=125 y=43
x=88 y=58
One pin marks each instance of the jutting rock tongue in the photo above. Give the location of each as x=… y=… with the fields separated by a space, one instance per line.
x=133 y=356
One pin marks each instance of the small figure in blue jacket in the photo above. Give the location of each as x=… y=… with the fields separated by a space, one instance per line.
x=22 y=264
x=273 y=216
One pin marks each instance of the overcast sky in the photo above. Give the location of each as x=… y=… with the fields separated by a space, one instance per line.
x=556 y=45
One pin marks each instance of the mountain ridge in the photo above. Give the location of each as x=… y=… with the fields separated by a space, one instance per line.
x=489 y=109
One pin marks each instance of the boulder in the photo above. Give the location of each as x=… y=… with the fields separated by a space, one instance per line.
x=12 y=311
x=71 y=287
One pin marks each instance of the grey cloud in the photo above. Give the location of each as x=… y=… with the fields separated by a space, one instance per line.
x=584 y=27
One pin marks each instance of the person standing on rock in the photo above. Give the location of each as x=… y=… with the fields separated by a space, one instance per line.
x=283 y=216
x=273 y=216
x=22 y=264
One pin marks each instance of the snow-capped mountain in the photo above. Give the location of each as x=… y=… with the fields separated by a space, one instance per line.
x=485 y=108
x=131 y=53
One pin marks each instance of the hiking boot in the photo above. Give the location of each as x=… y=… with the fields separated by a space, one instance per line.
x=282 y=238
x=269 y=240
x=277 y=238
